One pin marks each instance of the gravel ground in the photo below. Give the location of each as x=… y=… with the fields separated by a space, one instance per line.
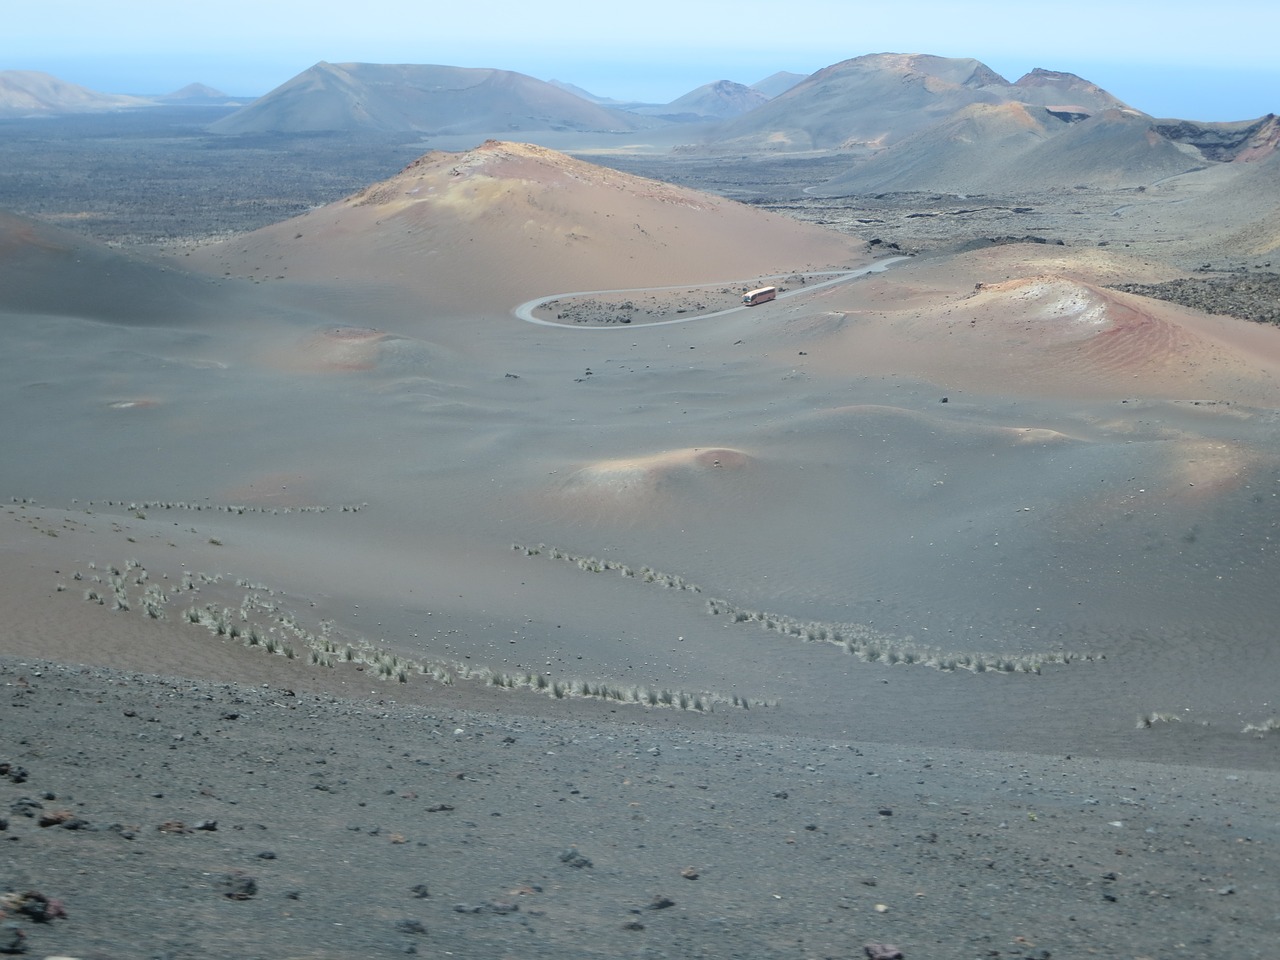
x=157 y=817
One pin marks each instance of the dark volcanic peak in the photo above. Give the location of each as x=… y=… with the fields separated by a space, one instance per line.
x=418 y=97
x=721 y=99
x=30 y=93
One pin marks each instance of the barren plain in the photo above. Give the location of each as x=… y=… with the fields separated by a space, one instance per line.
x=347 y=614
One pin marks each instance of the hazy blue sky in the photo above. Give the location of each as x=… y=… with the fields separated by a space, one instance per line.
x=1196 y=60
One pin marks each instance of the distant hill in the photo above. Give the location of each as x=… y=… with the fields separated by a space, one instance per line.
x=196 y=93
x=584 y=94
x=711 y=101
x=873 y=101
x=29 y=93
x=721 y=99
x=778 y=83
x=418 y=97
x=1017 y=146
x=987 y=148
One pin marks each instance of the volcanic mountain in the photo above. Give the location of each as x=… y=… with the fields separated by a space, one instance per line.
x=418 y=97
x=872 y=101
x=196 y=93
x=984 y=148
x=719 y=100
x=29 y=93
x=489 y=228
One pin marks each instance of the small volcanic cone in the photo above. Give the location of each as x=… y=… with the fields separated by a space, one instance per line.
x=485 y=230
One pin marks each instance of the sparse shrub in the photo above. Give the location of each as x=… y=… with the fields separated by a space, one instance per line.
x=1269 y=725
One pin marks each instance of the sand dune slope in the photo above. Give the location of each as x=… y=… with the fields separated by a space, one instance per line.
x=647 y=480
x=47 y=270
x=1054 y=333
x=487 y=229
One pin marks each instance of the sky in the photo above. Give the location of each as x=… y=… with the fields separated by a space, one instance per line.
x=1174 y=58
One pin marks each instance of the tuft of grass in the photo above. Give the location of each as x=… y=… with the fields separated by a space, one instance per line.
x=1270 y=725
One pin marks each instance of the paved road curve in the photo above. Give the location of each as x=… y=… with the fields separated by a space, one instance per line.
x=525 y=310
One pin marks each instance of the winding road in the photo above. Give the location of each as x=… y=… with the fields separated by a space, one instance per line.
x=525 y=310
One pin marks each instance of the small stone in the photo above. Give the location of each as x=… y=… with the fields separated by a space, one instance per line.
x=882 y=951
x=267 y=855
x=660 y=903
x=12 y=939
x=574 y=859
x=633 y=925
x=238 y=886
x=411 y=926
x=209 y=825
x=40 y=908
x=25 y=807
x=689 y=873
x=420 y=891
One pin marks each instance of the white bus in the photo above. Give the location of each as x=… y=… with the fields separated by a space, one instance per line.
x=762 y=295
